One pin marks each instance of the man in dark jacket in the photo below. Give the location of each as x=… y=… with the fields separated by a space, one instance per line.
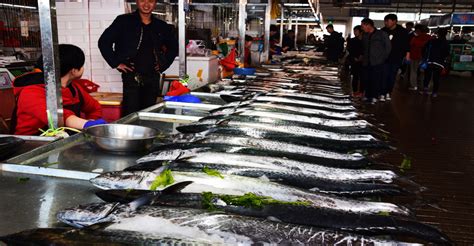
x=334 y=44
x=376 y=45
x=140 y=46
x=354 y=47
x=435 y=52
x=400 y=50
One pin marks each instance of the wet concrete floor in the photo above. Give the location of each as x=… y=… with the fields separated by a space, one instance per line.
x=438 y=135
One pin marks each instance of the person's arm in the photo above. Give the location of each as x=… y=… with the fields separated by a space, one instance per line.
x=34 y=100
x=406 y=46
x=107 y=40
x=171 y=44
x=387 y=44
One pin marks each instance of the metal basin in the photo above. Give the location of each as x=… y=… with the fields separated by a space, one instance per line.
x=120 y=137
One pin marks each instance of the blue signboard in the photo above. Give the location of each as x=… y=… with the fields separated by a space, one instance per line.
x=463 y=19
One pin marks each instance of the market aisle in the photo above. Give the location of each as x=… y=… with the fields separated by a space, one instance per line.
x=438 y=135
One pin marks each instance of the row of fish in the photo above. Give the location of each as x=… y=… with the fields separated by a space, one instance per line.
x=273 y=166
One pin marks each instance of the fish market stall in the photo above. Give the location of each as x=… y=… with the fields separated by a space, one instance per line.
x=284 y=151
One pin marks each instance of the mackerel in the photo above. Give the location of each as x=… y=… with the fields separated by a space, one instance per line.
x=295 y=214
x=223 y=229
x=291 y=178
x=238 y=185
x=273 y=163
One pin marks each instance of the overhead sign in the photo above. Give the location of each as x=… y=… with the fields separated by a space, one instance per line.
x=377 y=2
x=359 y=12
x=463 y=19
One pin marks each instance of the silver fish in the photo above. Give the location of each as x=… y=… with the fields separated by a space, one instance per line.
x=238 y=185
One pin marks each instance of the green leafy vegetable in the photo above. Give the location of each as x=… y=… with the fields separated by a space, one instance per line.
x=247 y=200
x=212 y=172
x=50 y=164
x=164 y=179
x=22 y=179
x=406 y=164
x=52 y=132
x=384 y=213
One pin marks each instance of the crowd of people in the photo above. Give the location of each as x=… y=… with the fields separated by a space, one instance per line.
x=377 y=56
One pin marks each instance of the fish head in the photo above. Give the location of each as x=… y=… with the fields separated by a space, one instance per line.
x=89 y=214
x=122 y=180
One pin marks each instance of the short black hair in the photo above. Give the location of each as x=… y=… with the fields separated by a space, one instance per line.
x=358 y=28
x=410 y=24
x=291 y=31
x=442 y=32
x=248 y=38
x=273 y=28
x=421 y=28
x=70 y=56
x=391 y=17
x=367 y=21
x=330 y=26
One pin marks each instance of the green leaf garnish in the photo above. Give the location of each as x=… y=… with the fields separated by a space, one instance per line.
x=50 y=164
x=384 y=213
x=248 y=200
x=406 y=164
x=212 y=172
x=22 y=179
x=164 y=179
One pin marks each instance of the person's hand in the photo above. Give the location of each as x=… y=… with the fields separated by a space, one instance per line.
x=94 y=123
x=157 y=67
x=124 y=68
x=407 y=58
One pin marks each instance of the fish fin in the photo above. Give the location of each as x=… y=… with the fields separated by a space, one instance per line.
x=161 y=169
x=230 y=98
x=98 y=226
x=143 y=200
x=224 y=122
x=176 y=188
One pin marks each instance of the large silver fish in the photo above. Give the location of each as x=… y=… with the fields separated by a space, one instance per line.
x=273 y=163
x=214 y=227
x=238 y=185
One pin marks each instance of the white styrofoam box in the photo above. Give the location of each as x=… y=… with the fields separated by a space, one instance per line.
x=208 y=65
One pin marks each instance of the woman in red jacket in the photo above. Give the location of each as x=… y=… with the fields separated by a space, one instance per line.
x=30 y=93
x=416 y=48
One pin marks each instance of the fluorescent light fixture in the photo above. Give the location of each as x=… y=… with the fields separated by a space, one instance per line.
x=296 y=5
x=16 y=6
x=157 y=13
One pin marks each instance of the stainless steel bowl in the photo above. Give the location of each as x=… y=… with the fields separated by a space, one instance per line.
x=120 y=137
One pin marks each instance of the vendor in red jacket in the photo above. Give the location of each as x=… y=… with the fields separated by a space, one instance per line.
x=30 y=93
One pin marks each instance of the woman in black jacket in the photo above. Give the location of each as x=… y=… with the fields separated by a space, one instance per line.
x=435 y=53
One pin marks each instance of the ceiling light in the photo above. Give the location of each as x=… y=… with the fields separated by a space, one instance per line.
x=16 y=6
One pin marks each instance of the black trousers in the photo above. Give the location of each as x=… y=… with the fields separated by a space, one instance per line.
x=356 y=70
x=435 y=72
x=139 y=91
x=373 y=75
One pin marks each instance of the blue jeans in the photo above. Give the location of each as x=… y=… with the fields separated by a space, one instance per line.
x=389 y=77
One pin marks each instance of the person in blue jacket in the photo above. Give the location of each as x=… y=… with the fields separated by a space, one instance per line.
x=140 y=46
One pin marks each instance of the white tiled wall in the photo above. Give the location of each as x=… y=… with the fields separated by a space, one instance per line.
x=81 y=23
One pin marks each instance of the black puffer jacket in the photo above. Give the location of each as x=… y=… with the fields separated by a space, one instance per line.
x=125 y=33
x=436 y=51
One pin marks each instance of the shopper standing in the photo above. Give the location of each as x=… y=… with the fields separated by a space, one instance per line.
x=376 y=49
x=400 y=50
x=334 y=44
x=416 y=48
x=140 y=46
x=289 y=41
x=435 y=53
x=355 y=50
